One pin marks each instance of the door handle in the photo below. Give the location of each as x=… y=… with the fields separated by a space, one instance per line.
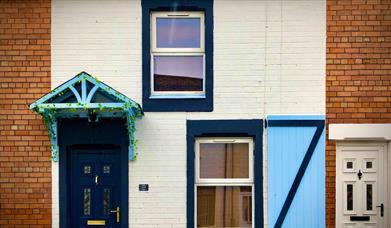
x=117 y=211
x=359 y=174
x=381 y=209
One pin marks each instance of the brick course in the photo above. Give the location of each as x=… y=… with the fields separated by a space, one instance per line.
x=358 y=80
x=358 y=91
x=25 y=167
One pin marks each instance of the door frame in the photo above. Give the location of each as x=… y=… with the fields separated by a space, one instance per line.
x=91 y=134
x=386 y=176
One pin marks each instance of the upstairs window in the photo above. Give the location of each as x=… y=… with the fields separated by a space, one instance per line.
x=177 y=55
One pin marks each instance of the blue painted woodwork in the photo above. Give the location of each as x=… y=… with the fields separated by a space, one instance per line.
x=107 y=134
x=95 y=157
x=81 y=97
x=177 y=104
x=296 y=171
x=225 y=128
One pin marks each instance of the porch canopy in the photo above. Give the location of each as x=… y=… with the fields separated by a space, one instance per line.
x=86 y=97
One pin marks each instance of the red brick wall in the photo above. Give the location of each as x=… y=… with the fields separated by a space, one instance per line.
x=25 y=168
x=358 y=88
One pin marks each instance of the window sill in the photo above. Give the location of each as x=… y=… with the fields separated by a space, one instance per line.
x=179 y=96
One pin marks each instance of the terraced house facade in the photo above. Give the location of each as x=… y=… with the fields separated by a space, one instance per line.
x=194 y=113
x=358 y=96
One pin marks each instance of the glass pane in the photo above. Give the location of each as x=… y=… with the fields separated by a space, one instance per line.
x=349 y=165
x=369 y=197
x=87 y=201
x=224 y=206
x=224 y=160
x=106 y=169
x=369 y=165
x=247 y=214
x=178 y=32
x=349 y=197
x=106 y=201
x=178 y=73
x=87 y=169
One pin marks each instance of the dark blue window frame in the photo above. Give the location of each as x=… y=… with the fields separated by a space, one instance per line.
x=226 y=128
x=177 y=104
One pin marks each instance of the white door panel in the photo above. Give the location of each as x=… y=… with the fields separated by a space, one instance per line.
x=361 y=185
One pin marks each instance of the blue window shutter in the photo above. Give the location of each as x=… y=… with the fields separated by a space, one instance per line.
x=296 y=171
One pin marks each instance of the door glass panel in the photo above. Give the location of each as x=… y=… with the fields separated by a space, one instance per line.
x=349 y=197
x=106 y=201
x=369 y=164
x=224 y=160
x=87 y=201
x=87 y=169
x=349 y=165
x=106 y=169
x=369 y=197
x=224 y=206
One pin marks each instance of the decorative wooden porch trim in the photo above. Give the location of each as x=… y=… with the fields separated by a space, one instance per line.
x=84 y=97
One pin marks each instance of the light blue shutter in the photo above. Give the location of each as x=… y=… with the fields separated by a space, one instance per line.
x=296 y=171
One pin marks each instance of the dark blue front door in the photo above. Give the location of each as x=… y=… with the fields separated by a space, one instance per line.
x=95 y=187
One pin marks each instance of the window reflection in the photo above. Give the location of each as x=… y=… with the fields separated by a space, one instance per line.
x=224 y=206
x=178 y=32
x=224 y=160
x=178 y=73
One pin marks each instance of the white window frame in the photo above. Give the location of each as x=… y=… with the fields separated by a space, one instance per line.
x=213 y=182
x=155 y=51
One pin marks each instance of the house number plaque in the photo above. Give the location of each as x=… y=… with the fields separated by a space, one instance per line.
x=143 y=187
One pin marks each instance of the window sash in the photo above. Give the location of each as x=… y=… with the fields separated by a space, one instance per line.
x=225 y=181
x=177 y=14
x=177 y=94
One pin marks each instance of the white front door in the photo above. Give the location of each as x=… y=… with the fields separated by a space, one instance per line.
x=361 y=185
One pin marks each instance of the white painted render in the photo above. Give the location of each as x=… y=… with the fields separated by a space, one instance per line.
x=269 y=58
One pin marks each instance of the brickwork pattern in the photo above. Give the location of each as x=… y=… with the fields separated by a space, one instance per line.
x=25 y=167
x=358 y=81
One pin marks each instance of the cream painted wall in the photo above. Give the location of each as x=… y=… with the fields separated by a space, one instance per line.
x=269 y=58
